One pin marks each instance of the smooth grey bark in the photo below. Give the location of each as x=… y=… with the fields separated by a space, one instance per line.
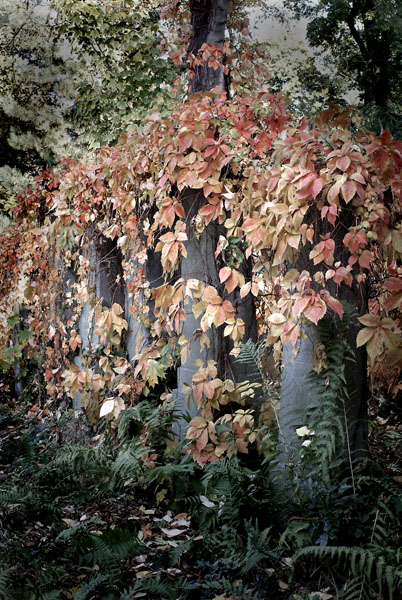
x=85 y=323
x=199 y=264
x=137 y=334
x=296 y=392
x=208 y=18
x=245 y=309
x=209 y=26
x=106 y=282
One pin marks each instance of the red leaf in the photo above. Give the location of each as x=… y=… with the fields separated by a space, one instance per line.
x=393 y=284
x=343 y=163
x=333 y=303
x=185 y=141
x=316 y=310
x=224 y=274
x=366 y=258
x=348 y=190
x=300 y=305
x=316 y=187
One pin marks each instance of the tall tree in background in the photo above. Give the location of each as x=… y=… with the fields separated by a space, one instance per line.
x=363 y=38
x=73 y=75
x=206 y=56
x=128 y=71
x=39 y=77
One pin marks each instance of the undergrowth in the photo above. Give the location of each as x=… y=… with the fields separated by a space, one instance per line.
x=130 y=515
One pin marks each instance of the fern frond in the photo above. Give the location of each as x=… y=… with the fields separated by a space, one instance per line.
x=53 y=595
x=91 y=586
x=259 y=546
x=4 y=595
x=231 y=589
x=157 y=588
x=169 y=472
x=72 y=532
x=109 y=549
x=361 y=562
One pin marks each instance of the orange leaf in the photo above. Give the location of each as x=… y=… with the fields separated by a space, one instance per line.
x=211 y=296
x=245 y=289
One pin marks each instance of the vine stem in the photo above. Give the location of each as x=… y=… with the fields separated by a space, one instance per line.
x=349 y=452
x=371 y=541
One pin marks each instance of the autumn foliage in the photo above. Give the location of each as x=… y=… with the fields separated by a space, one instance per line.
x=315 y=208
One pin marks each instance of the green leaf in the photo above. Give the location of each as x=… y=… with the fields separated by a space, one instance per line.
x=25 y=335
x=14 y=320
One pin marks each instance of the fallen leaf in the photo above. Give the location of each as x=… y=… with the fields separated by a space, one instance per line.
x=206 y=502
x=71 y=522
x=172 y=532
x=143 y=574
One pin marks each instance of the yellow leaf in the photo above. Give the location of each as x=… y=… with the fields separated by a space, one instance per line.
x=364 y=336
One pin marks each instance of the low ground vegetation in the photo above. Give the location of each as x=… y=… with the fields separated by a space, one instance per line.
x=109 y=514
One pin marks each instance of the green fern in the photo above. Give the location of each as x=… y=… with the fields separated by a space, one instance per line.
x=356 y=588
x=126 y=466
x=250 y=355
x=109 y=549
x=158 y=418
x=14 y=495
x=4 y=595
x=53 y=595
x=259 y=546
x=359 y=562
x=233 y=589
x=326 y=414
x=155 y=587
x=170 y=472
x=179 y=551
x=91 y=586
x=77 y=471
x=71 y=533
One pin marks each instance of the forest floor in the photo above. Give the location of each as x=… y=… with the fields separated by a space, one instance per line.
x=85 y=517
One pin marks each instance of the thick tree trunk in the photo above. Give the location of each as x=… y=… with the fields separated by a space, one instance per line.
x=208 y=19
x=106 y=283
x=199 y=264
x=297 y=392
x=209 y=24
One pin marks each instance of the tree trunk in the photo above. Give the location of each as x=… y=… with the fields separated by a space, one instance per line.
x=209 y=24
x=208 y=18
x=297 y=392
x=105 y=283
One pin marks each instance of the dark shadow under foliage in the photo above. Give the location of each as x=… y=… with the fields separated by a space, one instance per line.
x=135 y=517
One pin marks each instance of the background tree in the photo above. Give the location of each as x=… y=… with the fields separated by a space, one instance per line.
x=39 y=77
x=362 y=39
x=73 y=76
x=128 y=68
